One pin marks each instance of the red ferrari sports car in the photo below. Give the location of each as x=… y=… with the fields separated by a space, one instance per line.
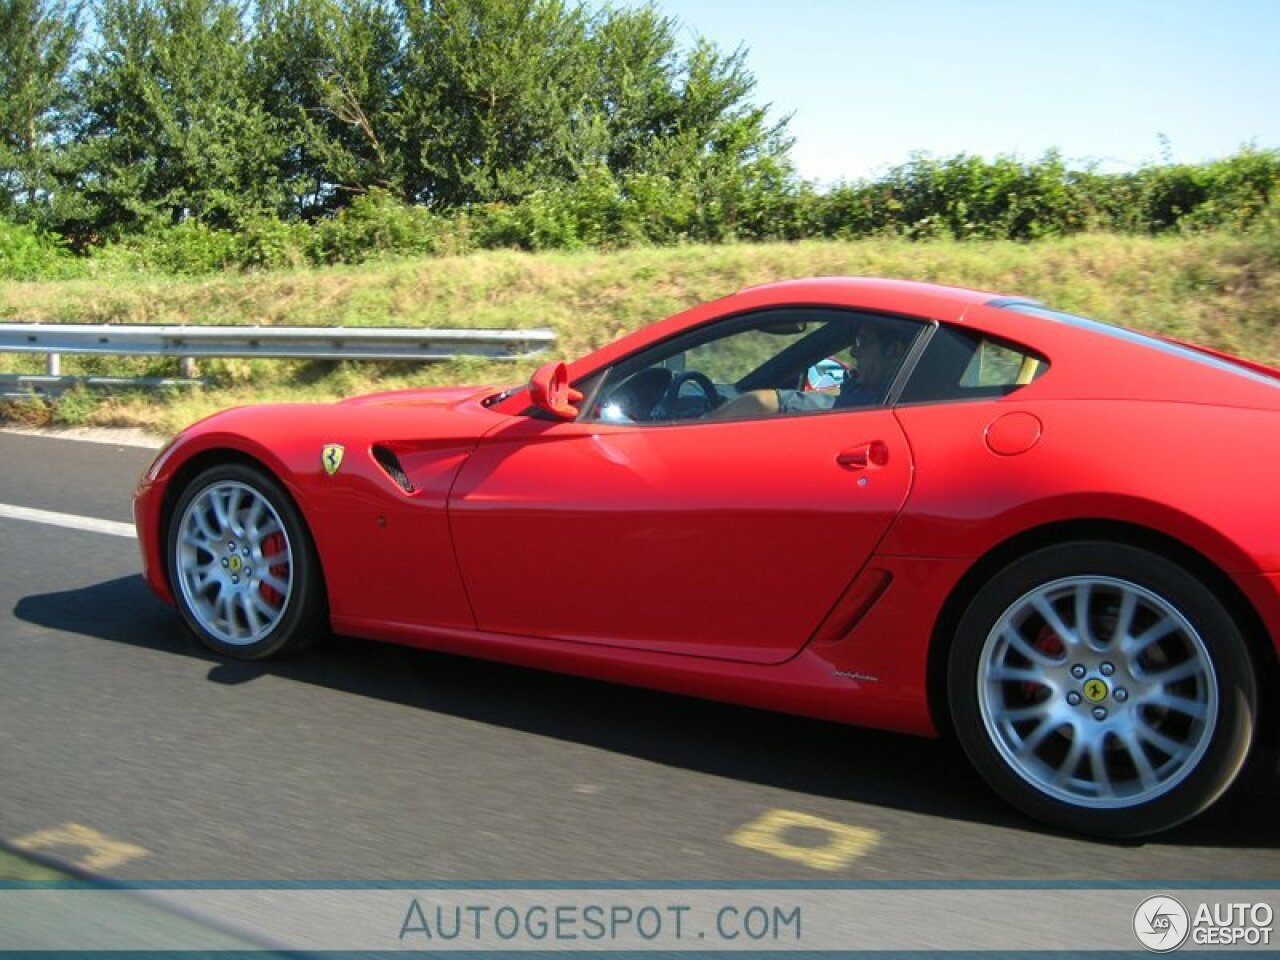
x=894 y=504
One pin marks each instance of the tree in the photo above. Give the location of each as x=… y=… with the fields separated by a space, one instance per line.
x=38 y=41
x=635 y=89
x=172 y=127
x=221 y=112
x=718 y=146
x=328 y=71
x=491 y=89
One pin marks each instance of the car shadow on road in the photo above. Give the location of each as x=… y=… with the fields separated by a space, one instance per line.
x=796 y=754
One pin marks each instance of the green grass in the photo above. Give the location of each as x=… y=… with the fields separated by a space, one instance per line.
x=1219 y=289
x=16 y=868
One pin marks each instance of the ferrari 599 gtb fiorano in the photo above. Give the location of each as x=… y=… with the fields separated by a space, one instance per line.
x=906 y=506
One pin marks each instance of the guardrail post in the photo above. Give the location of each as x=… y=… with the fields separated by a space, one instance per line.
x=187 y=368
x=53 y=365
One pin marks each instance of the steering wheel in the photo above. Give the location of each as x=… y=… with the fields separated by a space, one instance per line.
x=663 y=408
x=637 y=396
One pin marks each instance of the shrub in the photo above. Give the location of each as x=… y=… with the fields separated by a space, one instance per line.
x=28 y=253
x=375 y=224
x=265 y=243
x=190 y=248
x=961 y=197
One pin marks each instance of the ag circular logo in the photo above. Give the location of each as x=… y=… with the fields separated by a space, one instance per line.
x=1161 y=924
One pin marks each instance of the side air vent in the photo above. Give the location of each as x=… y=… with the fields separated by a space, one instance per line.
x=391 y=463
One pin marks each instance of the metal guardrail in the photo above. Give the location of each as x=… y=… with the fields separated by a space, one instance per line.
x=188 y=343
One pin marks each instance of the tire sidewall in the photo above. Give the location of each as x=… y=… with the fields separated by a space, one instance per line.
x=302 y=608
x=1236 y=687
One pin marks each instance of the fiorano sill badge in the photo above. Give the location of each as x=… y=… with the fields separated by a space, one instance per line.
x=331 y=457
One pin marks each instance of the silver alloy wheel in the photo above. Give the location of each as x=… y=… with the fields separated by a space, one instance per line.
x=234 y=562
x=1097 y=692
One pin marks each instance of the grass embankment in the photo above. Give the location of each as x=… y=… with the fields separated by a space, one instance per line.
x=1219 y=289
x=16 y=868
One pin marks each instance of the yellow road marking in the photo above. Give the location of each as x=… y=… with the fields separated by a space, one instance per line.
x=843 y=845
x=101 y=852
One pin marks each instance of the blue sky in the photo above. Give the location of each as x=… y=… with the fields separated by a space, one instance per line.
x=870 y=81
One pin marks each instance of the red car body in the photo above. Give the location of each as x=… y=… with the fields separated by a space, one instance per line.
x=766 y=561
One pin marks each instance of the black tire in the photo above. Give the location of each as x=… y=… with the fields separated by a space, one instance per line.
x=234 y=522
x=1096 y=733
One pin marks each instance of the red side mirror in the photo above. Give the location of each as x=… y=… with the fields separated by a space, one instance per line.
x=549 y=388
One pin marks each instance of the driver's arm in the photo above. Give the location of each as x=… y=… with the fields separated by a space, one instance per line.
x=753 y=403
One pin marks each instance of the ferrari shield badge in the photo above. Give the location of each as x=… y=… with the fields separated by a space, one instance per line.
x=331 y=457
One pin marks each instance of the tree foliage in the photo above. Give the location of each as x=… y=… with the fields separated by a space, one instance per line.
x=227 y=111
x=329 y=73
x=172 y=126
x=197 y=134
x=38 y=40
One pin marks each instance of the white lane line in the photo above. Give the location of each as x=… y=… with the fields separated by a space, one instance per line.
x=92 y=524
x=116 y=437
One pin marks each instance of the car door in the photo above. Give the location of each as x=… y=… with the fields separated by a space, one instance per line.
x=691 y=535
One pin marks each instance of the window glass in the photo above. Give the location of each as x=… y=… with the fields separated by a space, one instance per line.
x=966 y=365
x=1133 y=336
x=731 y=358
x=993 y=365
x=773 y=363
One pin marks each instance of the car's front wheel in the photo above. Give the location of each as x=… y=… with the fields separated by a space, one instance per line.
x=242 y=565
x=1102 y=688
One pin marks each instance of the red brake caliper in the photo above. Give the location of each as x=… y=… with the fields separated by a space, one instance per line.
x=272 y=545
x=1048 y=643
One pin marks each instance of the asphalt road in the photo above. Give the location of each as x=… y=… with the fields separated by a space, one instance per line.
x=129 y=751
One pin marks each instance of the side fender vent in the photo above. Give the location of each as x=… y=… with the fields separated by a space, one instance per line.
x=389 y=462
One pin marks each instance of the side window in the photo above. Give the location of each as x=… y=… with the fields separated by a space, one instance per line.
x=966 y=365
x=730 y=359
x=772 y=363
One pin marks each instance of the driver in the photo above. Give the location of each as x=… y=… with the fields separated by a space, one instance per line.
x=877 y=354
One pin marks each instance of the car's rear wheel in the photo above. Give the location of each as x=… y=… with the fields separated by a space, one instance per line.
x=1102 y=688
x=242 y=564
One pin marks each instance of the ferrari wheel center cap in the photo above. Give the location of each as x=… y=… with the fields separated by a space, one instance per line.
x=235 y=563
x=1095 y=690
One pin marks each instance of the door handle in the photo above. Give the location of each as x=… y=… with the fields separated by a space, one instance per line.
x=864 y=456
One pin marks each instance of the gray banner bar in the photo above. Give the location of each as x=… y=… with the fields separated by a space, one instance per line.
x=610 y=920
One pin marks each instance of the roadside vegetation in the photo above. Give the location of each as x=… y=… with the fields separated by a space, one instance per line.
x=516 y=163
x=18 y=869
x=193 y=136
x=1222 y=289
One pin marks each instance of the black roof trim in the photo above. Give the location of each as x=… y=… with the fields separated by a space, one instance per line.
x=1013 y=302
